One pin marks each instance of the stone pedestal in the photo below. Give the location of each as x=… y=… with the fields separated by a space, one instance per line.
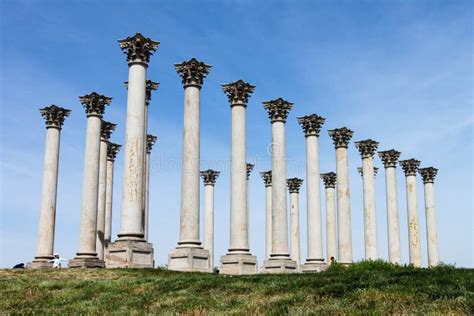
x=41 y=263
x=238 y=264
x=189 y=260
x=86 y=263
x=129 y=254
x=277 y=266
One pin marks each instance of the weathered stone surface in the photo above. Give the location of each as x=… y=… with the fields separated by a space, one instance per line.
x=129 y=254
x=309 y=266
x=86 y=263
x=238 y=264
x=277 y=266
x=189 y=260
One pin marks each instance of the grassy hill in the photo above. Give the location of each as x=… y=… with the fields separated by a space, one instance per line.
x=365 y=287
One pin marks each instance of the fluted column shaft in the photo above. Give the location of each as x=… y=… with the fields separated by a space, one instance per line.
x=295 y=227
x=131 y=225
x=343 y=206
x=209 y=222
x=268 y=221
x=431 y=231
x=331 y=230
x=88 y=230
x=108 y=201
x=46 y=228
x=145 y=175
x=394 y=249
x=189 y=227
x=413 y=222
x=370 y=221
x=147 y=195
x=101 y=205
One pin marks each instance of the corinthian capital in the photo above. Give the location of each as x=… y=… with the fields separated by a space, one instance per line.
x=389 y=158
x=428 y=174
x=112 y=151
x=150 y=141
x=150 y=86
x=267 y=178
x=138 y=48
x=249 y=169
x=329 y=179
x=209 y=176
x=360 y=170
x=311 y=124
x=192 y=72
x=367 y=148
x=95 y=104
x=106 y=130
x=278 y=109
x=410 y=166
x=340 y=136
x=294 y=185
x=54 y=116
x=238 y=92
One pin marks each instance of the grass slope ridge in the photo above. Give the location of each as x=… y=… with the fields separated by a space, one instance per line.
x=366 y=287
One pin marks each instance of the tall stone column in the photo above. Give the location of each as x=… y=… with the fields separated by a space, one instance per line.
x=189 y=255
x=367 y=149
x=106 y=130
x=238 y=260
x=341 y=138
x=267 y=180
x=410 y=167
x=131 y=249
x=294 y=185
x=428 y=175
x=149 y=87
x=280 y=261
x=390 y=159
x=209 y=177
x=150 y=141
x=112 y=151
x=329 y=180
x=86 y=256
x=54 y=117
x=311 y=125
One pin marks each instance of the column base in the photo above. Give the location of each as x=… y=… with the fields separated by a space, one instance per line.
x=238 y=264
x=277 y=266
x=189 y=259
x=314 y=266
x=40 y=264
x=129 y=254
x=84 y=263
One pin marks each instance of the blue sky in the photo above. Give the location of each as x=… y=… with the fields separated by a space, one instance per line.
x=400 y=72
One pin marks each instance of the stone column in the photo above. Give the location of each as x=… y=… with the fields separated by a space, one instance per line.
x=112 y=150
x=329 y=180
x=280 y=261
x=429 y=175
x=360 y=170
x=390 y=159
x=341 y=138
x=131 y=249
x=367 y=149
x=311 y=125
x=86 y=256
x=294 y=185
x=149 y=87
x=189 y=255
x=150 y=141
x=267 y=179
x=410 y=167
x=239 y=259
x=209 y=177
x=106 y=130
x=54 y=117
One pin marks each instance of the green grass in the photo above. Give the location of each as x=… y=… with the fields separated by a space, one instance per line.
x=363 y=288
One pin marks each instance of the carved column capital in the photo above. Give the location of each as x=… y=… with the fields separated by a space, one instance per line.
x=249 y=169
x=294 y=185
x=267 y=178
x=367 y=148
x=389 y=158
x=340 y=136
x=360 y=170
x=209 y=176
x=95 y=103
x=112 y=151
x=150 y=86
x=278 y=109
x=54 y=116
x=238 y=92
x=106 y=130
x=192 y=72
x=311 y=124
x=428 y=174
x=150 y=141
x=410 y=166
x=138 y=48
x=329 y=179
